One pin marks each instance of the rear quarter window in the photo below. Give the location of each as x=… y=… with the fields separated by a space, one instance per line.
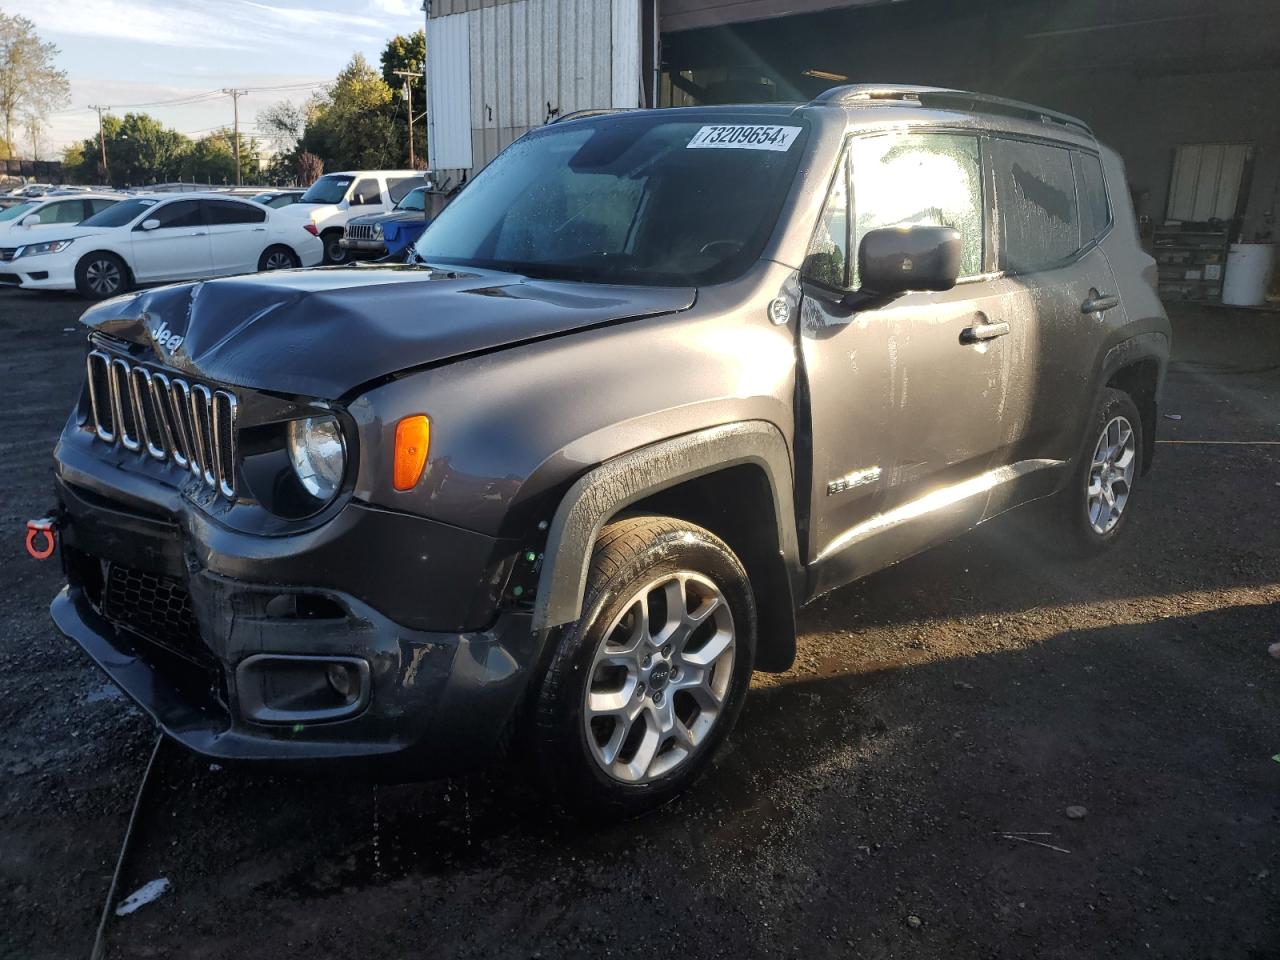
x=1095 y=212
x=1036 y=199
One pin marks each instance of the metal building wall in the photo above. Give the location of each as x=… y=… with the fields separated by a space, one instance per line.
x=528 y=62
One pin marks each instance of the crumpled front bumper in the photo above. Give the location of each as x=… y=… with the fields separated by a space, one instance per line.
x=433 y=701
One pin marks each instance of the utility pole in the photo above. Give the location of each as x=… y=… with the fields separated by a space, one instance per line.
x=102 y=142
x=235 y=96
x=408 y=95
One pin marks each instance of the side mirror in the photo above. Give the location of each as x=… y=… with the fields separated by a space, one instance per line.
x=894 y=260
x=31 y=220
x=150 y=224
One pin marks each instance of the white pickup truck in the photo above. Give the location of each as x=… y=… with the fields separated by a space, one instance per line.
x=337 y=197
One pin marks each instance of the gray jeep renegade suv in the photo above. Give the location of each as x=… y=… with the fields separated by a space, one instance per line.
x=555 y=486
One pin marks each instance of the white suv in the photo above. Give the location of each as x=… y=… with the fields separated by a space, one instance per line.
x=337 y=197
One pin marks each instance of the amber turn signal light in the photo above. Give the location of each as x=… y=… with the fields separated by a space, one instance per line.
x=413 y=439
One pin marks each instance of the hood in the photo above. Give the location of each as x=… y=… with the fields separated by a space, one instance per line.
x=19 y=236
x=323 y=332
x=394 y=216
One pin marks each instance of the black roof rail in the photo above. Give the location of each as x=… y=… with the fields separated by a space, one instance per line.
x=943 y=98
x=591 y=112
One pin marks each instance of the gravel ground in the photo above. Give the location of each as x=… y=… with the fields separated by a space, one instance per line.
x=977 y=690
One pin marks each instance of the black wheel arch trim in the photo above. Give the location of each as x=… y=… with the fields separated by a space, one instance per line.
x=616 y=484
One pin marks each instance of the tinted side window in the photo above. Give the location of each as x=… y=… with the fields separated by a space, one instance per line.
x=827 y=261
x=366 y=191
x=1095 y=213
x=180 y=213
x=97 y=206
x=222 y=212
x=1036 y=197
x=65 y=211
x=398 y=187
x=920 y=178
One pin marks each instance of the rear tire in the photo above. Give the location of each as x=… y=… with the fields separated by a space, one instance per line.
x=334 y=251
x=1093 y=510
x=641 y=692
x=278 y=257
x=101 y=275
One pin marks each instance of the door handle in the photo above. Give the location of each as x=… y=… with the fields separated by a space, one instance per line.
x=1099 y=303
x=200 y=233
x=983 y=331
x=259 y=229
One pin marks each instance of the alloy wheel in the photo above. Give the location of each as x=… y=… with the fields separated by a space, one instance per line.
x=103 y=277
x=279 y=260
x=660 y=677
x=1111 y=475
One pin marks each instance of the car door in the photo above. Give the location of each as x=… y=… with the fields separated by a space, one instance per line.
x=906 y=398
x=176 y=249
x=237 y=235
x=1047 y=247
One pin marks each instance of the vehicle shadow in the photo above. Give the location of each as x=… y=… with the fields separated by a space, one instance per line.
x=845 y=804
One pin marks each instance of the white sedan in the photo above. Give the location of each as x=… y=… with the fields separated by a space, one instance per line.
x=157 y=239
x=45 y=213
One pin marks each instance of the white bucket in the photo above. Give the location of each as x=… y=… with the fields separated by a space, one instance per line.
x=1248 y=268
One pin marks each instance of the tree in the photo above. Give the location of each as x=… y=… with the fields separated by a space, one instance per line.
x=352 y=127
x=34 y=126
x=403 y=53
x=140 y=150
x=30 y=83
x=310 y=168
x=407 y=54
x=210 y=159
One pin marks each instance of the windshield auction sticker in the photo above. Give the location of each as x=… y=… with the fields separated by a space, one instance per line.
x=744 y=137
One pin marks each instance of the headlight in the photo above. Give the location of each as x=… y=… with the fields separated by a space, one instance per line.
x=49 y=246
x=377 y=229
x=318 y=455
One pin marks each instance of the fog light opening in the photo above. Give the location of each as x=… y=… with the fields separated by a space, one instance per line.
x=343 y=681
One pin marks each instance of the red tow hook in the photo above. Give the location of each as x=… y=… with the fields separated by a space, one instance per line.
x=42 y=537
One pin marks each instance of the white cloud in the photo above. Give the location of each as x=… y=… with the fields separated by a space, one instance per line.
x=398 y=8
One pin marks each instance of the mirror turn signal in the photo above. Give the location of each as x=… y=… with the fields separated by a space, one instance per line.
x=413 y=440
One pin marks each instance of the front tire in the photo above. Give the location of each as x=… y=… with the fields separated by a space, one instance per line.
x=1093 y=510
x=644 y=688
x=334 y=252
x=101 y=275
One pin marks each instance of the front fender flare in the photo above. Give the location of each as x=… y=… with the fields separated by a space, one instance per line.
x=618 y=483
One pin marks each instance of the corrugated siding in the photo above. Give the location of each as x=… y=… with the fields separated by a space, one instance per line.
x=1206 y=181
x=449 y=69
x=530 y=60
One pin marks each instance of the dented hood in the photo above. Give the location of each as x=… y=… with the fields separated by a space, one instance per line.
x=322 y=333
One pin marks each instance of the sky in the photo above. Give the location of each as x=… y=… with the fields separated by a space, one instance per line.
x=123 y=52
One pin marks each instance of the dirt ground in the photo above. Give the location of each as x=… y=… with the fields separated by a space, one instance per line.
x=977 y=690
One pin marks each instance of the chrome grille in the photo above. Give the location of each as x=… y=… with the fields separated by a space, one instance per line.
x=164 y=417
x=6 y=253
x=361 y=231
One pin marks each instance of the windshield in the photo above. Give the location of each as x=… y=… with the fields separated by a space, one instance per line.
x=328 y=189
x=126 y=211
x=415 y=199
x=12 y=213
x=633 y=198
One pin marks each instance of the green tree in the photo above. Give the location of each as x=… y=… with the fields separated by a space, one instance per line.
x=140 y=151
x=352 y=127
x=403 y=53
x=30 y=82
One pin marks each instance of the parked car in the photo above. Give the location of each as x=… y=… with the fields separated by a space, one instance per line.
x=557 y=482
x=388 y=234
x=279 y=198
x=337 y=197
x=53 y=210
x=151 y=239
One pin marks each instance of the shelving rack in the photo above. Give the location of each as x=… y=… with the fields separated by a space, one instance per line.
x=1192 y=263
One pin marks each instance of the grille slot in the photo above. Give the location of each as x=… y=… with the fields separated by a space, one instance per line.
x=156 y=607
x=6 y=253
x=360 y=231
x=164 y=417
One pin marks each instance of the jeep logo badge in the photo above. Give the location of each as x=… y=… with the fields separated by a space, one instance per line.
x=659 y=675
x=166 y=339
